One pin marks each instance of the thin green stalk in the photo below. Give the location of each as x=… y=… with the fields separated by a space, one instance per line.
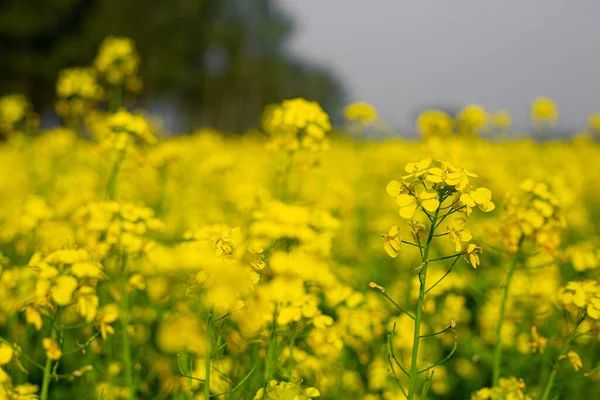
x=409 y=315
x=46 y=382
x=445 y=275
x=115 y=100
x=208 y=356
x=127 y=360
x=48 y=365
x=286 y=176
x=550 y=382
x=497 y=359
x=111 y=186
x=445 y=258
x=412 y=387
x=269 y=349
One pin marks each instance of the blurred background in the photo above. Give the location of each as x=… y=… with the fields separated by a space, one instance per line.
x=220 y=62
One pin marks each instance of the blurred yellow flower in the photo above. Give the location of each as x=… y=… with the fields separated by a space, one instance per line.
x=593 y=121
x=471 y=119
x=392 y=242
x=53 y=352
x=6 y=353
x=574 y=359
x=361 y=112
x=544 y=110
x=501 y=119
x=434 y=123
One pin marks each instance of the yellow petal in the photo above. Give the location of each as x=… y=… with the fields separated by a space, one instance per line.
x=389 y=249
x=487 y=207
x=424 y=163
x=62 y=291
x=408 y=212
x=411 y=167
x=428 y=194
x=6 y=353
x=466 y=199
x=481 y=195
x=430 y=205
x=405 y=200
x=393 y=188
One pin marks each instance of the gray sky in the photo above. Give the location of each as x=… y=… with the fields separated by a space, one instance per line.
x=405 y=55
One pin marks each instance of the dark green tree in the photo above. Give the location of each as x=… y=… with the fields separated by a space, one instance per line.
x=218 y=61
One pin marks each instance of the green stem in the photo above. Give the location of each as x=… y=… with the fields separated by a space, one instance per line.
x=445 y=258
x=111 y=186
x=208 y=356
x=48 y=364
x=497 y=359
x=127 y=360
x=116 y=98
x=286 y=176
x=550 y=382
x=412 y=387
x=46 y=382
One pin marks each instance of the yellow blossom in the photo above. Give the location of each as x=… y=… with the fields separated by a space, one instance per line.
x=6 y=353
x=53 y=352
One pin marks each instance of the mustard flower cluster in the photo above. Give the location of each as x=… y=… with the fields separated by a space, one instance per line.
x=296 y=124
x=360 y=112
x=508 y=388
x=118 y=62
x=286 y=390
x=78 y=91
x=532 y=214
x=581 y=297
x=14 y=111
x=110 y=225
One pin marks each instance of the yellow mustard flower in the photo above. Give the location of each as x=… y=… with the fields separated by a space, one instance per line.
x=471 y=254
x=392 y=242
x=53 y=352
x=6 y=353
x=63 y=288
x=361 y=112
x=544 y=110
x=458 y=233
x=573 y=359
x=434 y=123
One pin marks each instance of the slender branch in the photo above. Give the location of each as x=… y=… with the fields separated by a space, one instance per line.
x=451 y=205
x=208 y=356
x=182 y=373
x=448 y=214
x=83 y=346
x=441 y=361
x=392 y=355
x=389 y=358
x=220 y=318
x=497 y=357
x=550 y=382
x=426 y=386
x=444 y=258
x=397 y=306
x=446 y=329
x=127 y=359
x=239 y=385
x=420 y=247
x=411 y=244
x=443 y=276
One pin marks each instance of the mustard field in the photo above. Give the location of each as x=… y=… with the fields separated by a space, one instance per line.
x=295 y=261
